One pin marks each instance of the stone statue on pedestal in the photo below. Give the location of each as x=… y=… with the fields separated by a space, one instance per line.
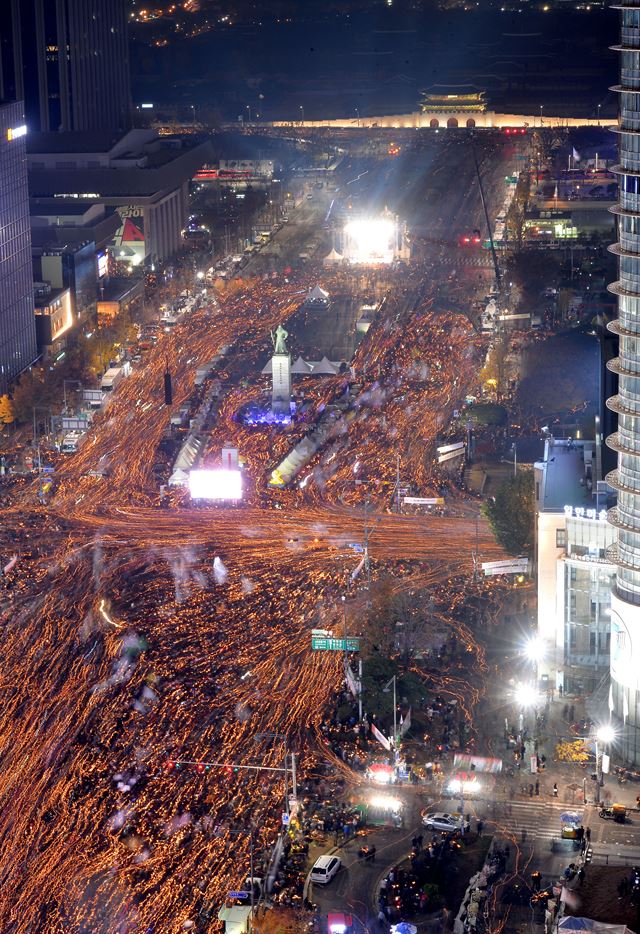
x=279 y=340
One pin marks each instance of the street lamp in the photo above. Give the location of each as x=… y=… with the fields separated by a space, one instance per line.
x=358 y=116
x=541 y=109
x=302 y=112
x=599 y=106
x=77 y=382
x=294 y=789
x=249 y=109
x=385 y=690
x=604 y=736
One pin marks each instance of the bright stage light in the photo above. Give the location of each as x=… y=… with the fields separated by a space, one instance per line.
x=370 y=241
x=215 y=484
x=386 y=802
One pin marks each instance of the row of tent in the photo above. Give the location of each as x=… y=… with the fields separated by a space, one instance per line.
x=324 y=367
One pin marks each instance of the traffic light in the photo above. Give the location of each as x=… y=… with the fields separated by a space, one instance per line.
x=170 y=765
x=200 y=767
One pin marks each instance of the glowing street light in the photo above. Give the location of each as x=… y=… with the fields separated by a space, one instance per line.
x=605 y=734
x=534 y=649
x=526 y=695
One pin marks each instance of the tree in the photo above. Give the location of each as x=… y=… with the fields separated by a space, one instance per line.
x=574 y=751
x=28 y=393
x=392 y=622
x=494 y=371
x=280 y=920
x=511 y=513
x=7 y=415
x=488 y=413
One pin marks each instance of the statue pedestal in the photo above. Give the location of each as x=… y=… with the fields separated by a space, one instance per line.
x=281 y=388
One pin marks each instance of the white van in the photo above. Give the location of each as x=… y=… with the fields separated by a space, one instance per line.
x=325 y=868
x=71 y=442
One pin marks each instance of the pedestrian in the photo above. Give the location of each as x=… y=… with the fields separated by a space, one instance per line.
x=581 y=875
x=571 y=714
x=531 y=791
x=420 y=840
x=565 y=712
x=560 y=691
x=587 y=834
x=480 y=827
x=555 y=789
x=535 y=880
x=537 y=787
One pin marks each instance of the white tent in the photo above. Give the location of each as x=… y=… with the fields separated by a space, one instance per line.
x=569 y=923
x=236 y=919
x=332 y=258
x=318 y=295
x=301 y=367
x=325 y=367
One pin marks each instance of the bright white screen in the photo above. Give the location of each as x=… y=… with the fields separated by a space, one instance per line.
x=215 y=484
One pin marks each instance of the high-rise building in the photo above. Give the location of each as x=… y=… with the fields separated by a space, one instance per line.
x=625 y=479
x=69 y=61
x=18 y=346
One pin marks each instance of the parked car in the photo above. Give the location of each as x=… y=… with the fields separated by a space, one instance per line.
x=448 y=823
x=325 y=868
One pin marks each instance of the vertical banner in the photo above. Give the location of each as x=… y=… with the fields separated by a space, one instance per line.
x=382 y=739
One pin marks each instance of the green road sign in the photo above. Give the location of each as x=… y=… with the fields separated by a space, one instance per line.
x=335 y=645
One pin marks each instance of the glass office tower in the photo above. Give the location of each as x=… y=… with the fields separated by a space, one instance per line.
x=17 y=322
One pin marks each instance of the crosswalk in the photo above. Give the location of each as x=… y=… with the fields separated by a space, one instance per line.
x=532 y=821
x=479 y=261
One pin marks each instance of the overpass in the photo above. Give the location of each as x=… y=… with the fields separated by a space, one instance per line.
x=447 y=119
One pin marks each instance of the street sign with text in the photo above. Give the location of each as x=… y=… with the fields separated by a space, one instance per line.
x=335 y=645
x=238 y=894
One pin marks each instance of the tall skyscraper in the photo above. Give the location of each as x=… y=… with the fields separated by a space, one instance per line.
x=17 y=322
x=69 y=61
x=624 y=699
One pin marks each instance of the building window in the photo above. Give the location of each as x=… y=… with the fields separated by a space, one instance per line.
x=561 y=538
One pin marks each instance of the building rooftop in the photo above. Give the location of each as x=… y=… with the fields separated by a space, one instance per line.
x=568 y=475
x=95 y=141
x=119 y=288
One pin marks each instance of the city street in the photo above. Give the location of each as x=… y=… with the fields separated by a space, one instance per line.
x=138 y=636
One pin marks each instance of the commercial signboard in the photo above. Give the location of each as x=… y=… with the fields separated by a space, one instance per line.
x=129 y=244
x=508 y=566
x=423 y=501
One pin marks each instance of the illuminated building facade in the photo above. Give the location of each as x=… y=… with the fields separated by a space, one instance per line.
x=17 y=328
x=625 y=479
x=87 y=88
x=441 y=99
